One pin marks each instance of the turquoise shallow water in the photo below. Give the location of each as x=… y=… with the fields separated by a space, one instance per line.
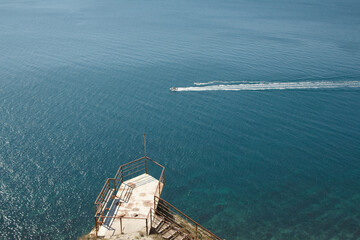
x=80 y=82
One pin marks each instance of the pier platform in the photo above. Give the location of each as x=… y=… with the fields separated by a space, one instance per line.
x=129 y=210
x=130 y=206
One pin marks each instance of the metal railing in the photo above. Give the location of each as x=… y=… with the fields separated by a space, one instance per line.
x=187 y=225
x=178 y=226
x=148 y=220
x=161 y=182
x=112 y=186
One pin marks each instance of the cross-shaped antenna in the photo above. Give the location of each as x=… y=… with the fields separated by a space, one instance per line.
x=145 y=144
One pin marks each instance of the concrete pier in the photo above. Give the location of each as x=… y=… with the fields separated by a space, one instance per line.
x=129 y=210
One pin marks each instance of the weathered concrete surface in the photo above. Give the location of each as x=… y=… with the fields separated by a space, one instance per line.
x=125 y=236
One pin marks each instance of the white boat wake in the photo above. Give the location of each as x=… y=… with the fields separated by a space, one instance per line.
x=271 y=86
x=224 y=82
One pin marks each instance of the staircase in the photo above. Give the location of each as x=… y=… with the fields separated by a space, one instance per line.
x=125 y=192
x=172 y=224
x=167 y=229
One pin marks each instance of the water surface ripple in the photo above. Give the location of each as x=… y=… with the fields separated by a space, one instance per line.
x=81 y=81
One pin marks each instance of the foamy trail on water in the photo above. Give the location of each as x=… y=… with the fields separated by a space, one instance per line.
x=224 y=82
x=273 y=86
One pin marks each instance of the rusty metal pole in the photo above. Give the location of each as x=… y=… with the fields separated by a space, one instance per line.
x=121 y=174
x=96 y=227
x=150 y=221
x=159 y=189
x=145 y=153
x=115 y=192
x=145 y=144
x=121 y=225
x=146 y=223
x=101 y=212
x=196 y=232
x=164 y=177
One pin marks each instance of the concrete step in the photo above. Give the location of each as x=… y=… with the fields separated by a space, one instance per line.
x=171 y=232
x=163 y=227
x=157 y=220
x=167 y=230
x=181 y=236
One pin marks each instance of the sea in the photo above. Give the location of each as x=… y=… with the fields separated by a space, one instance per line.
x=260 y=139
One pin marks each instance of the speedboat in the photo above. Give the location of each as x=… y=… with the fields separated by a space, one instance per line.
x=173 y=89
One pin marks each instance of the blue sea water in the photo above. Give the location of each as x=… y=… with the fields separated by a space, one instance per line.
x=81 y=81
